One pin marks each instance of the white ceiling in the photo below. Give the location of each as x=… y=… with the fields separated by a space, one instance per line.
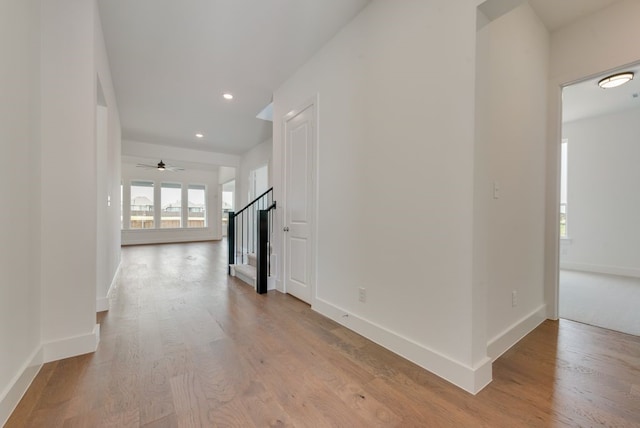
x=558 y=13
x=586 y=99
x=171 y=61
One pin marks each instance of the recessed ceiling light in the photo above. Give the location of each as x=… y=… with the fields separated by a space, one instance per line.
x=615 y=80
x=199 y=135
x=227 y=96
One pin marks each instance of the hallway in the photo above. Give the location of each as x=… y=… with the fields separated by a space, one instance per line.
x=186 y=345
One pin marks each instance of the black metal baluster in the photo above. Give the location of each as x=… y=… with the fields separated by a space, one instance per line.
x=231 y=240
x=261 y=279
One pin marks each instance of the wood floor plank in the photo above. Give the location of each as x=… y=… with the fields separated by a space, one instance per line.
x=191 y=405
x=185 y=345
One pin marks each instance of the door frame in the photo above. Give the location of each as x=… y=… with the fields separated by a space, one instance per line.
x=554 y=147
x=554 y=156
x=313 y=103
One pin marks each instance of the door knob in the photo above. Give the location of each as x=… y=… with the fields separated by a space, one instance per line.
x=286 y=229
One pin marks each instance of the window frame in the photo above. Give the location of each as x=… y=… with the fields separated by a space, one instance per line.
x=171 y=185
x=203 y=188
x=142 y=183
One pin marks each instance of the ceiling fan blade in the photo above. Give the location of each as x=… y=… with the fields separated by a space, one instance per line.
x=161 y=166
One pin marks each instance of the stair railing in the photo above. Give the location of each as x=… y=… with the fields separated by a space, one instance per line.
x=249 y=231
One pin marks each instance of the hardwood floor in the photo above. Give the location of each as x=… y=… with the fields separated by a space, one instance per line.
x=184 y=345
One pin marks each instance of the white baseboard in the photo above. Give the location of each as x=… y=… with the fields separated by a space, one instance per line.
x=102 y=303
x=72 y=346
x=499 y=344
x=48 y=352
x=18 y=386
x=471 y=379
x=609 y=270
x=166 y=236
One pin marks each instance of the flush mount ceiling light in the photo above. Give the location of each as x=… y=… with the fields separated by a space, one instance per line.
x=199 y=135
x=615 y=80
x=227 y=96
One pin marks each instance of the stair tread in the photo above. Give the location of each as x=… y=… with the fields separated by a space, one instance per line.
x=252 y=259
x=247 y=270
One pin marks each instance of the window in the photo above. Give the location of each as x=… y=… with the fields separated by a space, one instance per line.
x=169 y=210
x=171 y=199
x=563 y=189
x=142 y=205
x=196 y=215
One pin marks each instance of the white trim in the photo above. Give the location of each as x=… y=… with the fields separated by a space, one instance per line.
x=102 y=303
x=552 y=197
x=71 y=346
x=471 y=379
x=167 y=236
x=513 y=334
x=18 y=386
x=609 y=270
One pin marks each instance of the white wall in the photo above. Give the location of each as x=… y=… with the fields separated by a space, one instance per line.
x=188 y=176
x=383 y=106
x=226 y=174
x=258 y=156
x=603 y=197
x=69 y=181
x=510 y=152
x=597 y=43
x=482 y=182
x=20 y=327
x=55 y=56
x=187 y=157
x=108 y=174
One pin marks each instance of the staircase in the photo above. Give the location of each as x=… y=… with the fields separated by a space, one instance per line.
x=249 y=236
x=247 y=272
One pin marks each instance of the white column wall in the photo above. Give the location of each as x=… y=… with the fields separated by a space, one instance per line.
x=108 y=177
x=511 y=154
x=54 y=53
x=68 y=165
x=385 y=105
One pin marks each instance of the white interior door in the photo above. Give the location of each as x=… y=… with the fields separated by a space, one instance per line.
x=299 y=212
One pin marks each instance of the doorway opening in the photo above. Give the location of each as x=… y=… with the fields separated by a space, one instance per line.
x=258 y=182
x=228 y=203
x=599 y=257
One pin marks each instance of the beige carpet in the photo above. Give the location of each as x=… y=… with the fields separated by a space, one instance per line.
x=607 y=301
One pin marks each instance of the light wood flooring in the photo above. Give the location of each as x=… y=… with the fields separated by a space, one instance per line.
x=184 y=345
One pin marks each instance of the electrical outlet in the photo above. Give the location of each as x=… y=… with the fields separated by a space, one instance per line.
x=362 y=294
x=514 y=298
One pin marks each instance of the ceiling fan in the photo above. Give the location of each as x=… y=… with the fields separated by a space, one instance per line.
x=161 y=166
